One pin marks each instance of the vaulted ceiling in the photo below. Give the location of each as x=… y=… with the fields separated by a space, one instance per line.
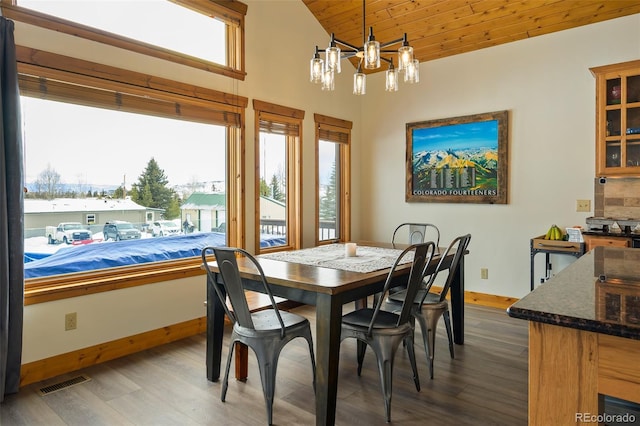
x=440 y=28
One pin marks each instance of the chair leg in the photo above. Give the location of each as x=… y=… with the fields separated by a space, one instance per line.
x=313 y=359
x=268 y=364
x=424 y=328
x=447 y=325
x=385 y=354
x=408 y=343
x=225 y=382
x=361 y=349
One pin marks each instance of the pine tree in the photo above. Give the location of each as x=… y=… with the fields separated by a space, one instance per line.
x=328 y=200
x=151 y=190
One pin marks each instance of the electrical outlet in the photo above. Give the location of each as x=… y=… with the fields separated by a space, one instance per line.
x=484 y=273
x=71 y=321
x=583 y=205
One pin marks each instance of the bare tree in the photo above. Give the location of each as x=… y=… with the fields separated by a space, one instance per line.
x=48 y=182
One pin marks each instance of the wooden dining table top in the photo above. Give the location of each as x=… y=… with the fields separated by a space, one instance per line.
x=315 y=278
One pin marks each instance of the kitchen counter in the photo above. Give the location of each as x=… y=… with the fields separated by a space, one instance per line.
x=584 y=337
x=589 y=294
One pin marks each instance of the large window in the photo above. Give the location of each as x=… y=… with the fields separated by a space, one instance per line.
x=278 y=158
x=333 y=177
x=93 y=140
x=206 y=35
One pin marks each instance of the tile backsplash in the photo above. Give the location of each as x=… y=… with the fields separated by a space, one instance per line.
x=617 y=197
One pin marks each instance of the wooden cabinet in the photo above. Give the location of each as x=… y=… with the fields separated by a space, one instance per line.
x=591 y=241
x=618 y=119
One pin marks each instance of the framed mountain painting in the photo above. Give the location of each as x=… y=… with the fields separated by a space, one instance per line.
x=459 y=160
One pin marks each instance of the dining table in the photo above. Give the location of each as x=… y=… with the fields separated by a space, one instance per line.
x=326 y=278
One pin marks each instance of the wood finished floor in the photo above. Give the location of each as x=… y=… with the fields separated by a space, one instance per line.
x=486 y=384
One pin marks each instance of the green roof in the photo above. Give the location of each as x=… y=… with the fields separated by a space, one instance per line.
x=199 y=200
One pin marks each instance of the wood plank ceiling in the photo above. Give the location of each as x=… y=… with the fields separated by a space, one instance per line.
x=440 y=28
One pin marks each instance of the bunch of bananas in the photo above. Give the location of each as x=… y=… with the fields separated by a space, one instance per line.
x=554 y=233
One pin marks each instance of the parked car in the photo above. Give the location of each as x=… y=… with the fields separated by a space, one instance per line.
x=120 y=230
x=160 y=228
x=68 y=233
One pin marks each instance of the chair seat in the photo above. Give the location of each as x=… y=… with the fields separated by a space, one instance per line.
x=400 y=295
x=362 y=318
x=267 y=320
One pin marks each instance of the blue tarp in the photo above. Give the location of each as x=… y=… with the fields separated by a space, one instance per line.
x=121 y=253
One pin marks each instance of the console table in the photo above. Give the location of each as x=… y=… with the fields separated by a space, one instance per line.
x=540 y=245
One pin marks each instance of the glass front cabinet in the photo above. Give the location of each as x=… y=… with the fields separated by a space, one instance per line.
x=618 y=119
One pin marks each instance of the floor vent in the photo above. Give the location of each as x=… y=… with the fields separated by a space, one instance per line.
x=63 y=385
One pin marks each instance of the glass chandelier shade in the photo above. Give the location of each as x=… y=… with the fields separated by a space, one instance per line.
x=359 y=82
x=391 y=81
x=372 y=52
x=412 y=72
x=328 y=80
x=332 y=56
x=405 y=55
x=316 y=68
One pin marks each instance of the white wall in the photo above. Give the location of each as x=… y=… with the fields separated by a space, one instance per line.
x=545 y=82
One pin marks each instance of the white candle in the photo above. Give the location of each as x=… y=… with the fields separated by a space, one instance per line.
x=350 y=249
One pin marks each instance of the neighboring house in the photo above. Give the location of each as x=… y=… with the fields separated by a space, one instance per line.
x=93 y=212
x=206 y=212
x=273 y=215
x=272 y=209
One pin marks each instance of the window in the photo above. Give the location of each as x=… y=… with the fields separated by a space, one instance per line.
x=117 y=121
x=278 y=156
x=333 y=177
x=204 y=35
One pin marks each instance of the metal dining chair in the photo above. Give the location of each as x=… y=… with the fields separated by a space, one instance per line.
x=384 y=330
x=428 y=306
x=266 y=331
x=414 y=233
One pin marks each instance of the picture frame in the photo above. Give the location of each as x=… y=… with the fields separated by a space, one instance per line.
x=458 y=160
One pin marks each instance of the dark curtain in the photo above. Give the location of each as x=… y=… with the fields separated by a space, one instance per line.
x=11 y=216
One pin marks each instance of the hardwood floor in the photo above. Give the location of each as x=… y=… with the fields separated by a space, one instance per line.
x=486 y=384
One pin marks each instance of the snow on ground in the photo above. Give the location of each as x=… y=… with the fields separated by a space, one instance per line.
x=41 y=245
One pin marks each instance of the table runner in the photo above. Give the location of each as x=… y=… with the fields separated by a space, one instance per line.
x=368 y=259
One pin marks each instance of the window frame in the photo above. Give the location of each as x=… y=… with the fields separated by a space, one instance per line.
x=231 y=12
x=39 y=70
x=341 y=130
x=282 y=116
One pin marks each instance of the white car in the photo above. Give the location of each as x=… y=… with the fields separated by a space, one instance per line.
x=161 y=228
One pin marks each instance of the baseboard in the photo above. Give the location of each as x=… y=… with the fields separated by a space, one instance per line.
x=491 y=300
x=484 y=299
x=71 y=361
x=64 y=363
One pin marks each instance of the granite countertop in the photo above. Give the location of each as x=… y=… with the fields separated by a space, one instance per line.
x=599 y=292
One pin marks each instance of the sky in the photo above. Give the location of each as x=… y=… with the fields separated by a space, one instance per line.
x=103 y=147
x=135 y=19
x=481 y=134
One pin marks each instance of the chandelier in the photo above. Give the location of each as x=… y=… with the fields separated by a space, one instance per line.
x=369 y=55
